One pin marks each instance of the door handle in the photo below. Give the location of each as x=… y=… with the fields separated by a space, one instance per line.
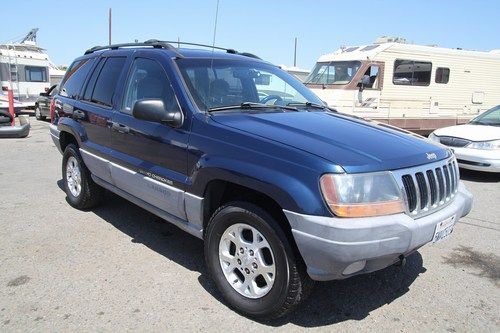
x=120 y=128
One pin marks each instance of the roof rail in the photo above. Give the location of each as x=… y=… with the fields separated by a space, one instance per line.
x=160 y=44
x=232 y=51
x=154 y=44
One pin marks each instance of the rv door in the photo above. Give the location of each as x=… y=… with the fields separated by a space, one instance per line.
x=369 y=86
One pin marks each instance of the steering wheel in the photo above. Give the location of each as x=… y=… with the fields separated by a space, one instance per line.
x=270 y=98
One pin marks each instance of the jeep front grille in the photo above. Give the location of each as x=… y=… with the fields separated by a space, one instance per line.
x=428 y=188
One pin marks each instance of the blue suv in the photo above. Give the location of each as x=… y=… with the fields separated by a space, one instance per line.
x=237 y=152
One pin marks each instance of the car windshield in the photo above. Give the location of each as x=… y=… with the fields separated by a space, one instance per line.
x=334 y=72
x=225 y=84
x=490 y=117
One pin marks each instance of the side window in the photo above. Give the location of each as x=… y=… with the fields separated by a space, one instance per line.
x=106 y=81
x=372 y=74
x=35 y=74
x=75 y=77
x=412 y=73
x=87 y=96
x=442 y=75
x=147 y=80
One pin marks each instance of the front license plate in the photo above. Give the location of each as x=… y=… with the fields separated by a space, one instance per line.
x=444 y=229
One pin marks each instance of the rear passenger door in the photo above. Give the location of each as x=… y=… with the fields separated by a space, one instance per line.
x=95 y=112
x=150 y=157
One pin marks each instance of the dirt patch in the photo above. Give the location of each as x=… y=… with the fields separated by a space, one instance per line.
x=23 y=279
x=488 y=264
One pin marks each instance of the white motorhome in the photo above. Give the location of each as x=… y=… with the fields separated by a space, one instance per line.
x=415 y=87
x=24 y=69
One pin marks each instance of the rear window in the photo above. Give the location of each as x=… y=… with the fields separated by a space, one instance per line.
x=71 y=86
x=104 y=88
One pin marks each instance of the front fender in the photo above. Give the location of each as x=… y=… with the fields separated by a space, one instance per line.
x=291 y=192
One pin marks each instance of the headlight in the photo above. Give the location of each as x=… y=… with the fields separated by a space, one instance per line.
x=360 y=195
x=433 y=137
x=487 y=145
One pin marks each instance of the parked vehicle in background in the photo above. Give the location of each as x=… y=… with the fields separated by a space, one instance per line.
x=42 y=105
x=237 y=152
x=415 y=87
x=299 y=73
x=476 y=144
x=25 y=68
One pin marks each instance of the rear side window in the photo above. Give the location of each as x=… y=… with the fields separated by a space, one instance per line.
x=36 y=74
x=412 y=73
x=104 y=88
x=72 y=83
x=442 y=75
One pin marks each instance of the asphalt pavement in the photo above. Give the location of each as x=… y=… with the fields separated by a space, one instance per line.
x=120 y=268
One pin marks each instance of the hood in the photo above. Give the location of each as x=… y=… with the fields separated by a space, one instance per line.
x=471 y=132
x=352 y=143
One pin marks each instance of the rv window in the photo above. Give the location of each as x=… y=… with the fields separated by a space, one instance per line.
x=412 y=73
x=442 y=75
x=75 y=77
x=335 y=72
x=35 y=74
x=372 y=73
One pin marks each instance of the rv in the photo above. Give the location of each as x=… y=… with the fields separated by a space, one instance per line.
x=415 y=87
x=25 y=69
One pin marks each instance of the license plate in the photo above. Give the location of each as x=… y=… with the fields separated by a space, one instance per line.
x=443 y=229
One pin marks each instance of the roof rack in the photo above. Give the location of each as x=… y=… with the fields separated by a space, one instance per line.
x=154 y=44
x=160 y=44
x=232 y=51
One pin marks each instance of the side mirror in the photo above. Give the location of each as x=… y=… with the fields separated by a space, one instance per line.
x=154 y=110
x=365 y=81
x=44 y=94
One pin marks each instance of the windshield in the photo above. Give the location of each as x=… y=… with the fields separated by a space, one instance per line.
x=334 y=72
x=490 y=117
x=219 y=83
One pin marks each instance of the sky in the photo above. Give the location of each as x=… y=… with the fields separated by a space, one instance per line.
x=263 y=27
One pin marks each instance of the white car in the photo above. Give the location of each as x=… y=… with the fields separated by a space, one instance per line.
x=476 y=144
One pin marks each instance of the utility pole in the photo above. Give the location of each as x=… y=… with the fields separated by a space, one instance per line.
x=109 y=26
x=295 y=54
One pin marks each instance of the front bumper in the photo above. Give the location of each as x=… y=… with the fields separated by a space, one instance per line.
x=329 y=245
x=478 y=159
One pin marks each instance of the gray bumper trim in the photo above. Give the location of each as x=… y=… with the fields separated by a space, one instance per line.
x=330 y=244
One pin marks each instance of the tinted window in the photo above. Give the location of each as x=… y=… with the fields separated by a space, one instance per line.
x=442 y=75
x=35 y=74
x=412 y=73
x=106 y=82
x=148 y=80
x=93 y=78
x=75 y=77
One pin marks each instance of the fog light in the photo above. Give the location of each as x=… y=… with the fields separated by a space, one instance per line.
x=354 y=267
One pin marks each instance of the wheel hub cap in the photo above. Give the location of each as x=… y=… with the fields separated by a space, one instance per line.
x=247 y=260
x=73 y=176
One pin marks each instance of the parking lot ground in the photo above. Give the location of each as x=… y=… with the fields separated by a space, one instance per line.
x=118 y=267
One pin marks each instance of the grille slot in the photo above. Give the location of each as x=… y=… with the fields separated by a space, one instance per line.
x=428 y=189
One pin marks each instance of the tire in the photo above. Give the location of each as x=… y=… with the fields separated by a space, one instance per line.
x=266 y=298
x=38 y=113
x=5 y=118
x=81 y=191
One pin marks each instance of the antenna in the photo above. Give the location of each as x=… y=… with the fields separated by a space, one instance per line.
x=295 y=54
x=215 y=25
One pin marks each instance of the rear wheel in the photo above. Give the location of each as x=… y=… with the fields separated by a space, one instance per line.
x=81 y=191
x=38 y=113
x=252 y=262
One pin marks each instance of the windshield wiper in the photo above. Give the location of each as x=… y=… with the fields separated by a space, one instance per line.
x=309 y=105
x=251 y=105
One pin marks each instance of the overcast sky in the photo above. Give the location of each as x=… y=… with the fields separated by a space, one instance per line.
x=264 y=27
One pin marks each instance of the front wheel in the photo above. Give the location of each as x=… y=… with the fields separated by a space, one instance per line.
x=252 y=262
